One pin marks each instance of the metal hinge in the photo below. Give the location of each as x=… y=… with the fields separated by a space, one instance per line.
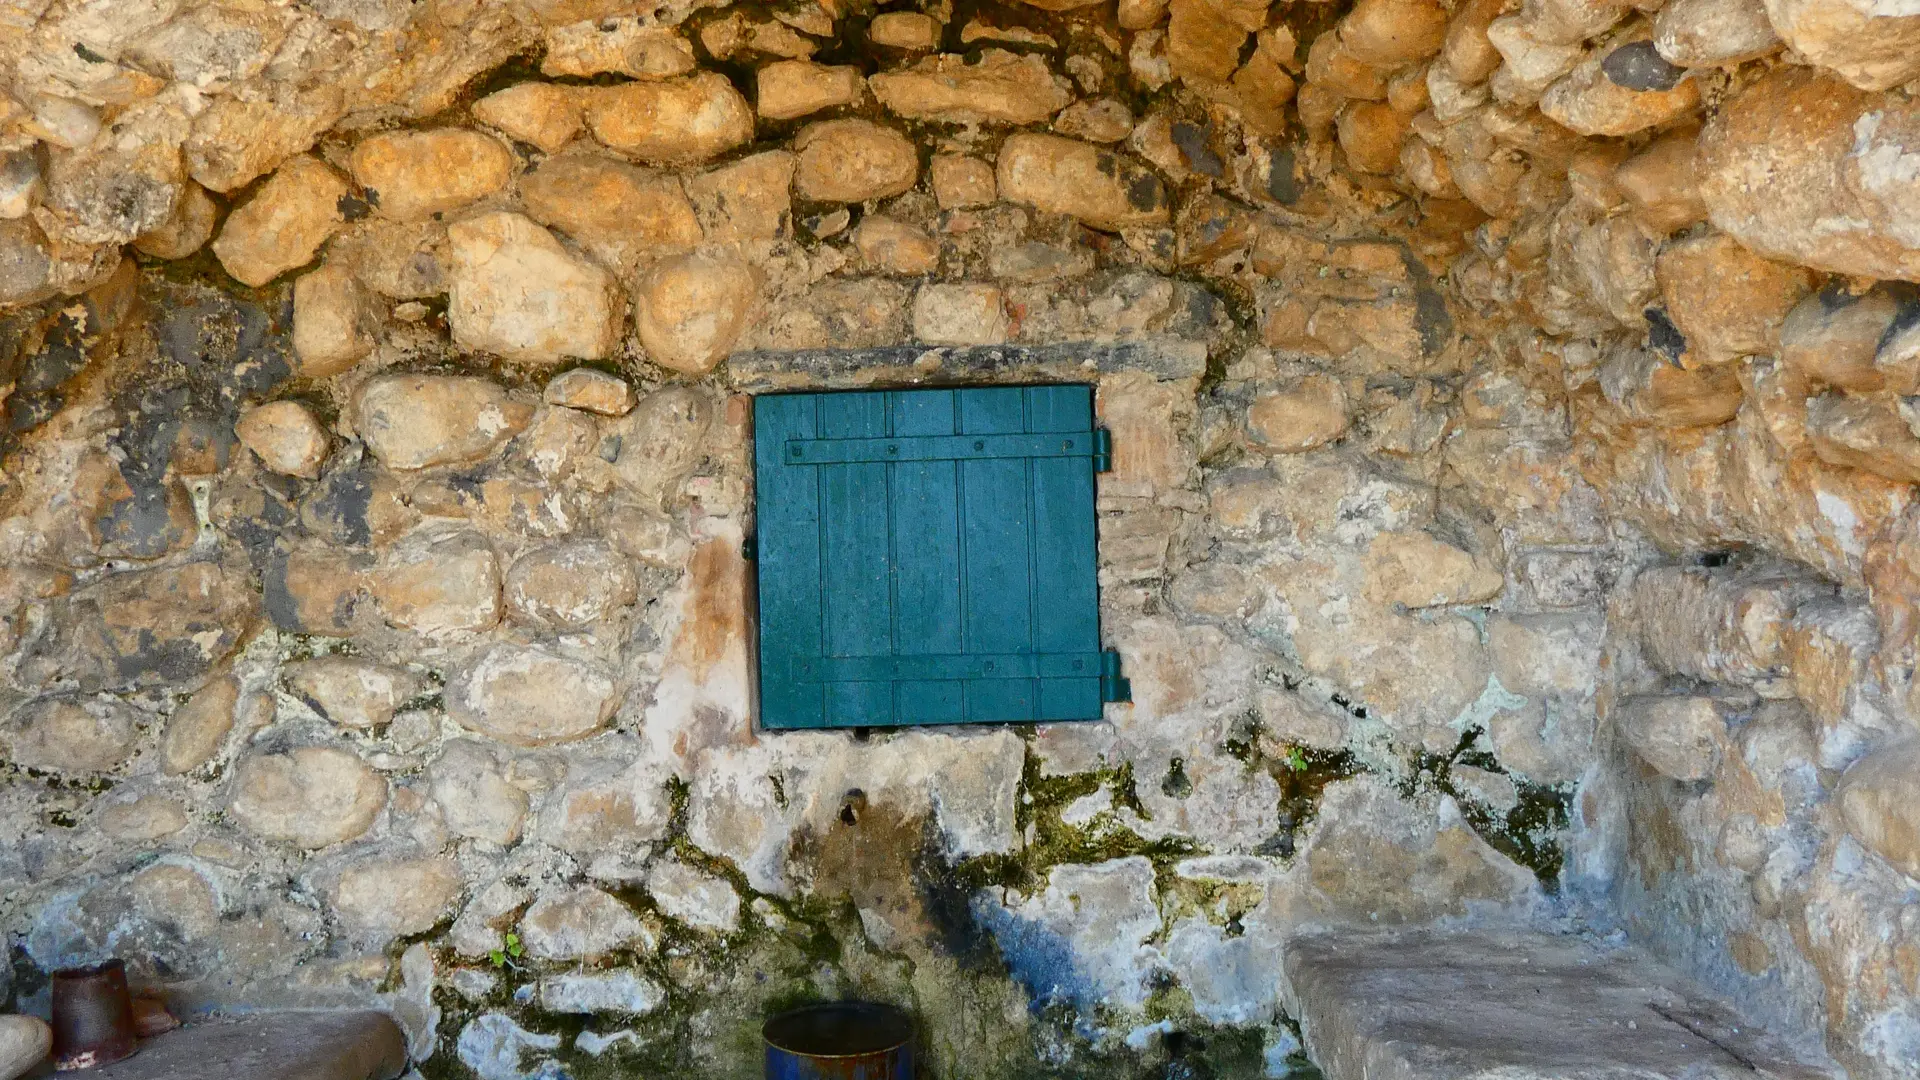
x=1113 y=686
x=750 y=547
x=1103 y=462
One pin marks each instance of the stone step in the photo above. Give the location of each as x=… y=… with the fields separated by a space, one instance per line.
x=271 y=1046
x=1517 y=1005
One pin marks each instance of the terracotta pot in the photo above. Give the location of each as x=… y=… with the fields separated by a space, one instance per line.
x=92 y=1016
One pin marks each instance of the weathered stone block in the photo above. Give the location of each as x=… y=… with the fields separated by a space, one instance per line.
x=530 y=695
x=311 y=797
x=1681 y=736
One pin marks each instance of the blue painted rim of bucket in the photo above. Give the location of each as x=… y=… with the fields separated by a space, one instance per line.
x=901 y=1037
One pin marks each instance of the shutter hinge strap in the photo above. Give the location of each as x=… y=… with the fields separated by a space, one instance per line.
x=1103 y=455
x=1113 y=687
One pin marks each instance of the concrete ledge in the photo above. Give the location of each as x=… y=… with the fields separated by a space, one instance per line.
x=1518 y=1006
x=271 y=1046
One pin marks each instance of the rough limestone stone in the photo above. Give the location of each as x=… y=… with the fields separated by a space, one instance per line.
x=1529 y=65
x=20 y=186
x=1431 y=1003
x=570 y=586
x=1659 y=184
x=286 y=437
x=334 y=324
x=410 y=175
x=1804 y=168
x=1389 y=33
x=385 y=898
x=168 y=624
x=1725 y=300
x=623 y=992
x=1080 y=180
x=1682 y=737
x=960 y=181
x=529 y=695
x=624 y=45
x=1831 y=338
x=438 y=580
x=590 y=391
x=790 y=88
x=71 y=736
x=399 y=260
x=695 y=898
x=110 y=192
x=1415 y=570
x=1385 y=860
x=1648 y=389
x=895 y=247
x=496 y=1048
x=689 y=310
x=1873 y=46
x=608 y=803
x=1307 y=415
x=186 y=230
x=1102 y=914
x=1877 y=802
x=25 y=1042
x=142 y=820
x=904 y=30
x=311 y=797
x=1591 y=100
x=853 y=161
x=1101 y=120
x=546 y=115
x=469 y=782
x=1333 y=69
x=1204 y=38
x=747 y=202
x=1713 y=33
x=518 y=293
x=283 y=225
x=351 y=692
x=960 y=314
x=580 y=923
x=681 y=121
x=660 y=441
x=234 y=141
x=996 y=87
x=419 y=421
x=1370 y=133
x=618 y=212
x=198 y=729
x=1860 y=433
x=1547 y=655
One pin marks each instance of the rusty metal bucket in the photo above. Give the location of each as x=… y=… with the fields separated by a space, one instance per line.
x=92 y=1016
x=848 y=1040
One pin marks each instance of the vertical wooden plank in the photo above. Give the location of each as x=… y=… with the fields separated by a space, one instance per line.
x=1065 y=569
x=997 y=554
x=855 y=554
x=926 y=549
x=788 y=521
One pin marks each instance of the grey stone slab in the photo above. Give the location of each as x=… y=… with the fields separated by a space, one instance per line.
x=1164 y=358
x=271 y=1046
x=1428 y=1005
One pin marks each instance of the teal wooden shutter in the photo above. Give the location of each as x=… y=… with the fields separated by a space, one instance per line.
x=927 y=557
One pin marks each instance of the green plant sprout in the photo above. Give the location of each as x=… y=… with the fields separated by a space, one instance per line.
x=513 y=949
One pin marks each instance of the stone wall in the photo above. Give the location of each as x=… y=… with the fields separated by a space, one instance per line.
x=1510 y=514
